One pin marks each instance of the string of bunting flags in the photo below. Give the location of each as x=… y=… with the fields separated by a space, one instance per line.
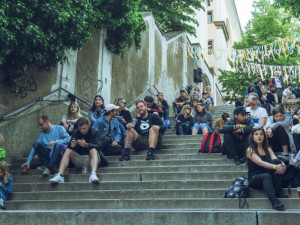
x=283 y=46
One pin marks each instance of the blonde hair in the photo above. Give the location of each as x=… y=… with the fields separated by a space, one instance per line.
x=183 y=111
x=118 y=103
x=77 y=115
x=4 y=169
x=207 y=88
x=1 y=140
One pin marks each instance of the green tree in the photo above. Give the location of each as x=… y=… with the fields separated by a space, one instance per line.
x=266 y=26
x=36 y=32
x=172 y=15
x=292 y=5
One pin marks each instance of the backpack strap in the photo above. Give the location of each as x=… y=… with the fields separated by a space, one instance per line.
x=243 y=202
x=203 y=142
x=211 y=142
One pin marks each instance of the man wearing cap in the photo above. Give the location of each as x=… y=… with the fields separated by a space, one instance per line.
x=236 y=135
x=180 y=102
x=110 y=131
x=257 y=114
x=145 y=134
x=278 y=85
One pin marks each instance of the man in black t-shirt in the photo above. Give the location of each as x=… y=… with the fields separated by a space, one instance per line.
x=146 y=134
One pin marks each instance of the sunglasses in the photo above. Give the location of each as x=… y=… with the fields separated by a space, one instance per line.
x=188 y=108
x=124 y=103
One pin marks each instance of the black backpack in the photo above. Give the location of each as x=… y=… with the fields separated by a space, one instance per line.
x=239 y=189
x=211 y=143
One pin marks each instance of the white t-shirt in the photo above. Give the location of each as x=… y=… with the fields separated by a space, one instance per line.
x=278 y=83
x=256 y=115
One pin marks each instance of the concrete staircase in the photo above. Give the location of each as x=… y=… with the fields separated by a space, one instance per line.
x=179 y=187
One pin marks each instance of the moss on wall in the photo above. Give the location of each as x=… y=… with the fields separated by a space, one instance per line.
x=158 y=57
x=87 y=69
x=175 y=64
x=130 y=72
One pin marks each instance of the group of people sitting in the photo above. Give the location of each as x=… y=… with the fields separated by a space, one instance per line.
x=110 y=130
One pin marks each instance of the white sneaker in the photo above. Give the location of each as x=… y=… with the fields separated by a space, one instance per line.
x=57 y=179
x=93 y=178
x=46 y=172
x=41 y=168
x=1 y=203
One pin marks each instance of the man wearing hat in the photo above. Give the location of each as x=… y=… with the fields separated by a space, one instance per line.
x=110 y=132
x=236 y=135
x=180 y=102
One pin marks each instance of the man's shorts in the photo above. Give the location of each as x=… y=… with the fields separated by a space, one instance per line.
x=142 y=143
x=82 y=160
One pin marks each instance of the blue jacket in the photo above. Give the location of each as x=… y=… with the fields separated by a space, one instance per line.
x=94 y=115
x=103 y=126
x=57 y=133
x=247 y=92
x=5 y=190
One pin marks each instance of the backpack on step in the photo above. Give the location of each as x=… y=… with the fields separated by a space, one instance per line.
x=239 y=189
x=211 y=143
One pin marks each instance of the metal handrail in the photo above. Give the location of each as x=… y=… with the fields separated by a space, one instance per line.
x=128 y=105
x=40 y=99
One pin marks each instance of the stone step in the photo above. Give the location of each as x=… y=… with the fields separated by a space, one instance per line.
x=142 y=176
x=191 y=160
x=28 y=186
x=130 y=169
x=148 y=203
x=132 y=194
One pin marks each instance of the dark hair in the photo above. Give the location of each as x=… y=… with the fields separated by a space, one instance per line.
x=148 y=98
x=94 y=107
x=81 y=121
x=203 y=110
x=276 y=110
x=253 y=145
x=225 y=116
x=142 y=101
x=159 y=93
x=44 y=118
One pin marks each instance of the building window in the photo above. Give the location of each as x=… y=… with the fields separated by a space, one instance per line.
x=209 y=17
x=210 y=47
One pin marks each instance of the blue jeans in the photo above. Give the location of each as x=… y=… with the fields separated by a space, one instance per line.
x=166 y=114
x=43 y=153
x=199 y=129
x=184 y=130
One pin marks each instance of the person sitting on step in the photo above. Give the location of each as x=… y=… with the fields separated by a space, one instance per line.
x=202 y=120
x=147 y=133
x=179 y=102
x=184 y=122
x=277 y=131
x=266 y=99
x=5 y=183
x=69 y=120
x=97 y=109
x=165 y=107
x=110 y=132
x=50 y=140
x=221 y=122
x=153 y=107
x=257 y=114
x=265 y=171
x=85 y=141
x=207 y=101
x=236 y=135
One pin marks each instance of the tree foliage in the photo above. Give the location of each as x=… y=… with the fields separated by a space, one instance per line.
x=173 y=15
x=36 y=32
x=292 y=5
x=267 y=25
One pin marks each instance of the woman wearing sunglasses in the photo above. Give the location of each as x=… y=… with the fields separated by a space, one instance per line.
x=184 y=121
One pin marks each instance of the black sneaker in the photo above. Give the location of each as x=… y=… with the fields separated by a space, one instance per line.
x=150 y=156
x=124 y=158
x=237 y=161
x=281 y=194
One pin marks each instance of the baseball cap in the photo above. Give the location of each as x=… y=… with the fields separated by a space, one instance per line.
x=271 y=85
x=252 y=85
x=110 y=107
x=240 y=109
x=182 y=90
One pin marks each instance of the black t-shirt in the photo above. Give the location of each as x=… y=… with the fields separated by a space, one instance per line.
x=143 y=126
